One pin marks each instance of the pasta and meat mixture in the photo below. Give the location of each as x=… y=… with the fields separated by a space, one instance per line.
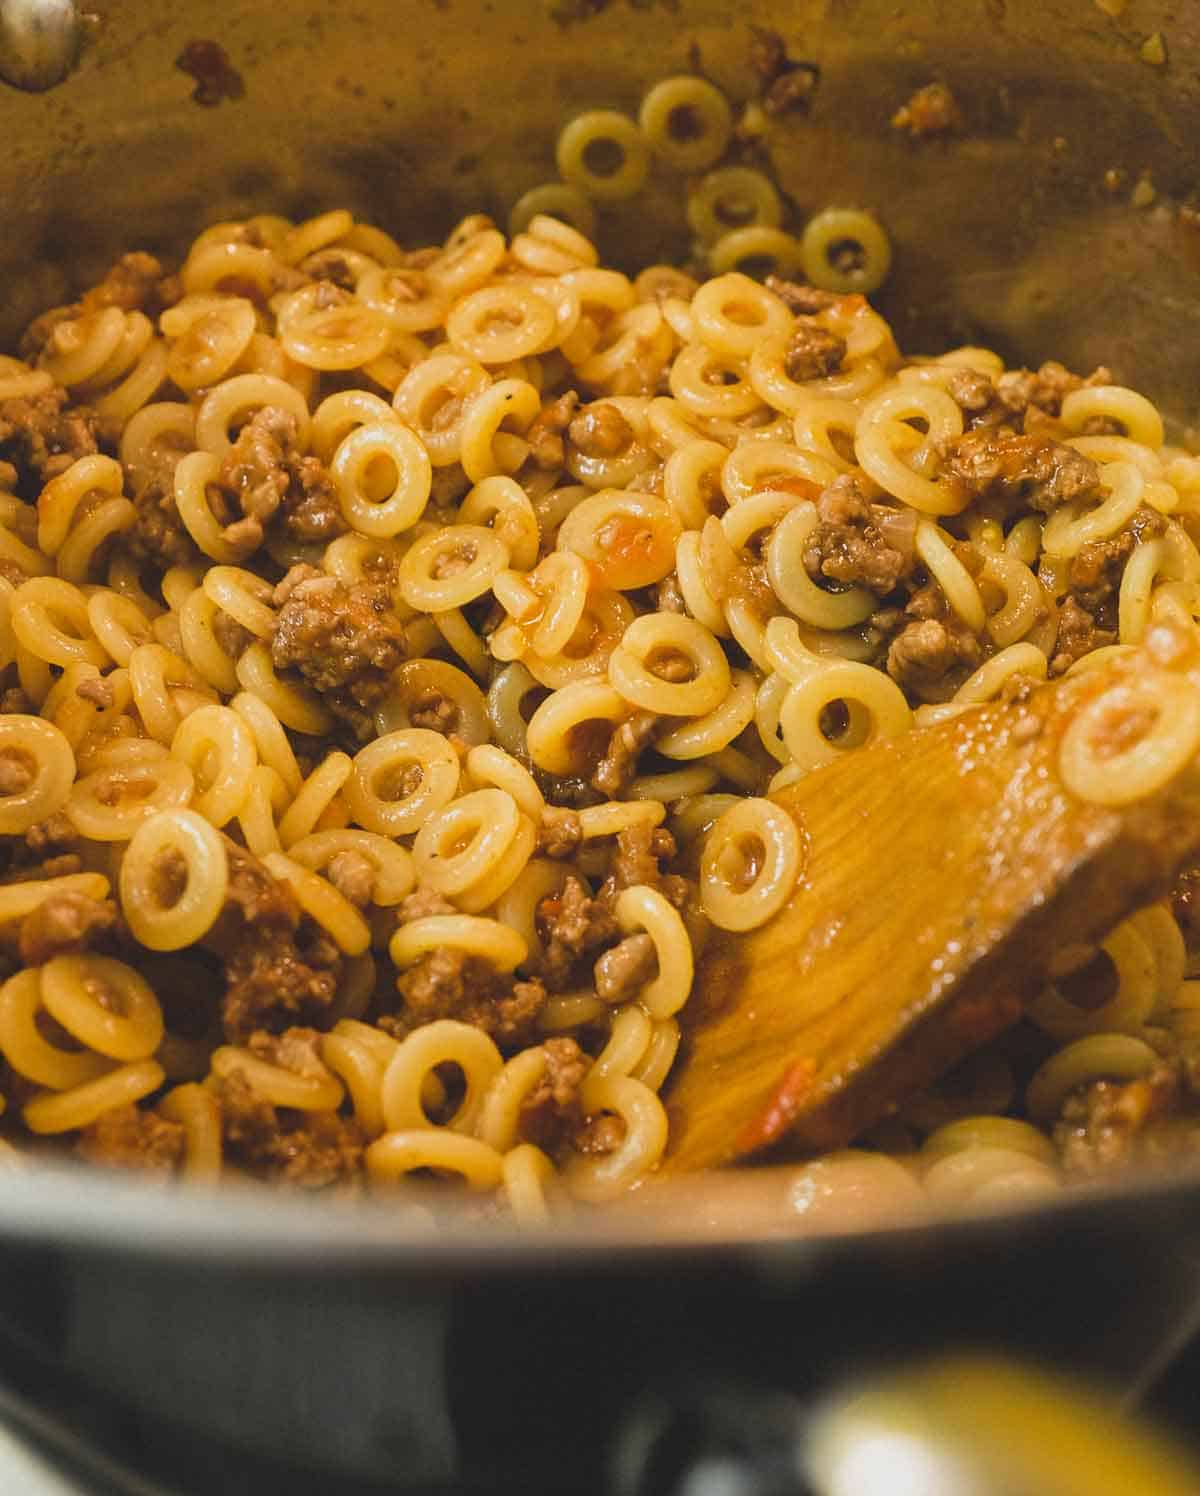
x=399 y=647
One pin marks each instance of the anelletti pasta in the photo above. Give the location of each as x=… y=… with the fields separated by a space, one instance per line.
x=401 y=646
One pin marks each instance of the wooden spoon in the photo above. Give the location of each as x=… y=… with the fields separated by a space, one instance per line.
x=944 y=870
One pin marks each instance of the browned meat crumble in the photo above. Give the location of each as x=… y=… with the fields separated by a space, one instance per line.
x=932 y=110
x=344 y=641
x=860 y=543
x=551 y=1113
x=65 y=924
x=276 y=973
x=1030 y=470
x=42 y=435
x=127 y=1138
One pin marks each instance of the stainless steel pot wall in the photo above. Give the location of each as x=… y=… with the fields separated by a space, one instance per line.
x=411 y=111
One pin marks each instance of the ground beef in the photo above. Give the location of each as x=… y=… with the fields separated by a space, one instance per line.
x=617 y=769
x=673 y=667
x=254 y=471
x=292 y=578
x=1094 y=576
x=233 y=638
x=1078 y=635
x=271 y=982
x=52 y=835
x=254 y=897
x=47 y=850
x=344 y=641
x=603 y=1133
x=158 y=534
x=812 y=351
x=297 y=1049
x=310 y=1150
x=785 y=85
x=16 y=773
x=860 y=543
x=1041 y=393
x=63 y=924
x=639 y=853
x=437 y=713
x=803 y=299
x=136 y=283
x=1149 y=1121
x=546 y=449
x=126 y=1138
x=449 y=487
x=792 y=90
x=551 y=1112
x=1015 y=468
x=98 y=689
x=931 y=657
x=560 y=832
x=310 y=507
x=932 y=110
x=625 y=969
x=574 y=928
x=637 y=861
x=275 y=974
x=600 y=430
x=216 y=78
x=449 y=983
x=41 y=436
x=265 y=475
x=978 y=399
x=423 y=904
x=353 y=875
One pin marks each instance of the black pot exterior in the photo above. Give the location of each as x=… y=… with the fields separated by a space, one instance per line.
x=528 y=1369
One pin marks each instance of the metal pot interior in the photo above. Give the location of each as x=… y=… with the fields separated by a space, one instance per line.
x=412 y=114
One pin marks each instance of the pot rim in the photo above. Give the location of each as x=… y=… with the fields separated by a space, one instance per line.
x=74 y=1206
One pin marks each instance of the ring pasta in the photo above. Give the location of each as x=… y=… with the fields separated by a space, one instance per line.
x=687 y=122
x=404 y=648
x=600 y=133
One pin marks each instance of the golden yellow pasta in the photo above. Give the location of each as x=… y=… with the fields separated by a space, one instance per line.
x=603 y=155
x=687 y=122
x=173 y=880
x=402 y=645
x=733 y=197
x=845 y=250
x=556 y=200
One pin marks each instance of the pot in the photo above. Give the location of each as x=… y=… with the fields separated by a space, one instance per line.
x=1021 y=231
x=246 y=1334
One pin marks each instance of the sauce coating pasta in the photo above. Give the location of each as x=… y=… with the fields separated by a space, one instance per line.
x=401 y=648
